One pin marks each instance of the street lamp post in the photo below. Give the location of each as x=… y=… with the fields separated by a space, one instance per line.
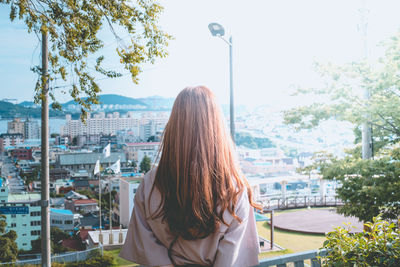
x=217 y=30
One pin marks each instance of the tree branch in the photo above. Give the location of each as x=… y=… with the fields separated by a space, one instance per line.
x=397 y=131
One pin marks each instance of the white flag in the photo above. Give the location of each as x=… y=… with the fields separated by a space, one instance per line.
x=107 y=151
x=116 y=167
x=97 y=167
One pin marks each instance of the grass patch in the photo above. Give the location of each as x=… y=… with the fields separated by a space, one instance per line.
x=120 y=261
x=292 y=242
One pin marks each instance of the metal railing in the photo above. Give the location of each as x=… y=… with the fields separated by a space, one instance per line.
x=75 y=256
x=298 y=259
x=301 y=202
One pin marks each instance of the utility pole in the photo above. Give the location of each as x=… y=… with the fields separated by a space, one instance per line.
x=100 y=234
x=45 y=215
x=111 y=238
x=232 y=112
x=366 y=127
x=218 y=30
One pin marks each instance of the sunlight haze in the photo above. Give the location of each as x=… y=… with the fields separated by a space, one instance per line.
x=275 y=46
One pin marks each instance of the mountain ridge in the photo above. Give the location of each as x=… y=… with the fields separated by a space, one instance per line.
x=10 y=110
x=30 y=109
x=113 y=99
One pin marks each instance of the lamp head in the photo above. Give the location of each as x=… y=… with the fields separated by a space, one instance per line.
x=216 y=29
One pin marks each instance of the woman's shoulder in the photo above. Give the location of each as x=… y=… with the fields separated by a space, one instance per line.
x=149 y=191
x=242 y=204
x=148 y=179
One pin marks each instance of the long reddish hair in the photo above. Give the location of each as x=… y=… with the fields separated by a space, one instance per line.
x=198 y=175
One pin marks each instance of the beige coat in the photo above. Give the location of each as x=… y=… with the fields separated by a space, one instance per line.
x=148 y=240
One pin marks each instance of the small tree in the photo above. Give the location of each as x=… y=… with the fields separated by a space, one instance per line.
x=145 y=165
x=369 y=186
x=56 y=237
x=133 y=164
x=30 y=177
x=8 y=246
x=379 y=245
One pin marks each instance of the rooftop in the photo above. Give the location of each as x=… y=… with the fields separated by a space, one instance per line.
x=74 y=195
x=132 y=180
x=89 y=158
x=91 y=220
x=24 y=197
x=61 y=211
x=81 y=183
x=85 y=201
x=143 y=144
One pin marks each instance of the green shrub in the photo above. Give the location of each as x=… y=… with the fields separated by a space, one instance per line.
x=95 y=261
x=378 y=245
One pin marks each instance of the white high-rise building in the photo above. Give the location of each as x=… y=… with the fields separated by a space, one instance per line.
x=127 y=191
x=31 y=129
x=146 y=130
x=99 y=124
x=102 y=123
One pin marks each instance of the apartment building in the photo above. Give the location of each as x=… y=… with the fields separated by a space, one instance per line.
x=99 y=124
x=29 y=128
x=26 y=224
x=111 y=123
x=136 y=151
x=22 y=153
x=10 y=140
x=15 y=126
x=63 y=219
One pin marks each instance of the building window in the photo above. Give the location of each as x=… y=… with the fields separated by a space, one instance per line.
x=35 y=223
x=34 y=204
x=35 y=213
x=3 y=190
x=68 y=222
x=13 y=225
x=24 y=244
x=35 y=232
x=13 y=216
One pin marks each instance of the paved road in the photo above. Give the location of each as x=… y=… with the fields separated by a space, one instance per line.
x=9 y=171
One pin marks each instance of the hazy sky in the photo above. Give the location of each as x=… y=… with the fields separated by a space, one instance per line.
x=275 y=45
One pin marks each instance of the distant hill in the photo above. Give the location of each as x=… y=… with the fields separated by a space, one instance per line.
x=112 y=102
x=246 y=140
x=111 y=99
x=9 y=110
x=158 y=102
x=28 y=104
x=108 y=102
